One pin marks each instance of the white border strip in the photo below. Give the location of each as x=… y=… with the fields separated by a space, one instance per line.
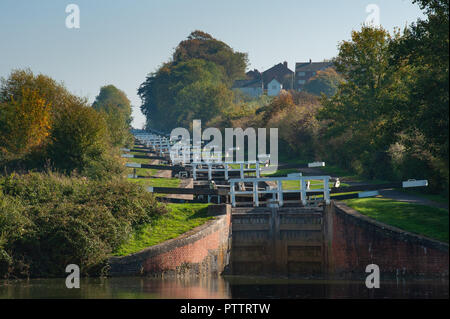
x=316 y=164
x=414 y=183
x=368 y=194
x=135 y=165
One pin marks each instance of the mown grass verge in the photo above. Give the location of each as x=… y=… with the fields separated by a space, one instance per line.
x=180 y=219
x=156 y=182
x=315 y=184
x=423 y=220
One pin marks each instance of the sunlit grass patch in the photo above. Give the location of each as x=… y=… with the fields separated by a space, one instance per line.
x=315 y=184
x=157 y=182
x=180 y=219
x=142 y=171
x=424 y=220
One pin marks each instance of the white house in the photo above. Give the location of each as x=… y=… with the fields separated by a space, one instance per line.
x=274 y=88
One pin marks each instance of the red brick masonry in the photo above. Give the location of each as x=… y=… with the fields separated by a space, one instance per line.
x=352 y=242
x=355 y=241
x=200 y=251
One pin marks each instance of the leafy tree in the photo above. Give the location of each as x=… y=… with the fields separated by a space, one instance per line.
x=325 y=81
x=118 y=130
x=367 y=107
x=295 y=116
x=171 y=96
x=425 y=48
x=41 y=122
x=111 y=98
x=55 y=94
x=194 y=84
x=78 y=137
x=201 y=45
x=202 y=100
x=116 y=109
x=24 y=123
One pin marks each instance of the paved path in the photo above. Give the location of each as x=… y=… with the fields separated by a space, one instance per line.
x=409 y=198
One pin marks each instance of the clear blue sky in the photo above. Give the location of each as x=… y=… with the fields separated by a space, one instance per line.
x=121 y=41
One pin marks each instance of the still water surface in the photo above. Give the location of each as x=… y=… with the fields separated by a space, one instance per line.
x=218 y=287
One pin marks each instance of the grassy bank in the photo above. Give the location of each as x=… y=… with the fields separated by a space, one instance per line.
x=157 y=182
x=180 y=219
x=424 y=220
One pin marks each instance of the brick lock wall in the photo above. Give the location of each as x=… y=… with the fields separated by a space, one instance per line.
x=194 y=253
x=202 y=251
x=357 y=241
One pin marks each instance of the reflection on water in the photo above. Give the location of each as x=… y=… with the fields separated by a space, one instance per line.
x=218 y=287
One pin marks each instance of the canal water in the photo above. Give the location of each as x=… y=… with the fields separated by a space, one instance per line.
x=223 y=287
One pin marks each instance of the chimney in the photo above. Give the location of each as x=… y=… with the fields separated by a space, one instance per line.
x=285 y=64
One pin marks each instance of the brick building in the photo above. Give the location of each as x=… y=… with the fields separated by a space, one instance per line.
x=306 y=70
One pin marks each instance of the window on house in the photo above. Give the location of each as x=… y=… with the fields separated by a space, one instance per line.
x=301 y=73
x=301 y=81
x=274 y=87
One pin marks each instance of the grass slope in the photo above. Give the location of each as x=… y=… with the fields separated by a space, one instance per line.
x=180 y=219
x=424 y=220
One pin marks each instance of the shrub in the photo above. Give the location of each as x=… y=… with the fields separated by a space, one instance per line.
x=48 y=221
x=79 y=135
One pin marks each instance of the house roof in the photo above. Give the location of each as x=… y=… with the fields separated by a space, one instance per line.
x=247 y=83
x=253 y=75
x=279 y=71
x=311 y=66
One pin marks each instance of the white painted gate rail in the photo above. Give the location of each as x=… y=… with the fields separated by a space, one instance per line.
x=159 y=143
x=278 y=192
x=244 y=167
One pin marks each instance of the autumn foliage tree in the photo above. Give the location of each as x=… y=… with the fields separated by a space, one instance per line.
x=42 y=123
x=24 y=123
x=278 y=104
x=54 y=93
